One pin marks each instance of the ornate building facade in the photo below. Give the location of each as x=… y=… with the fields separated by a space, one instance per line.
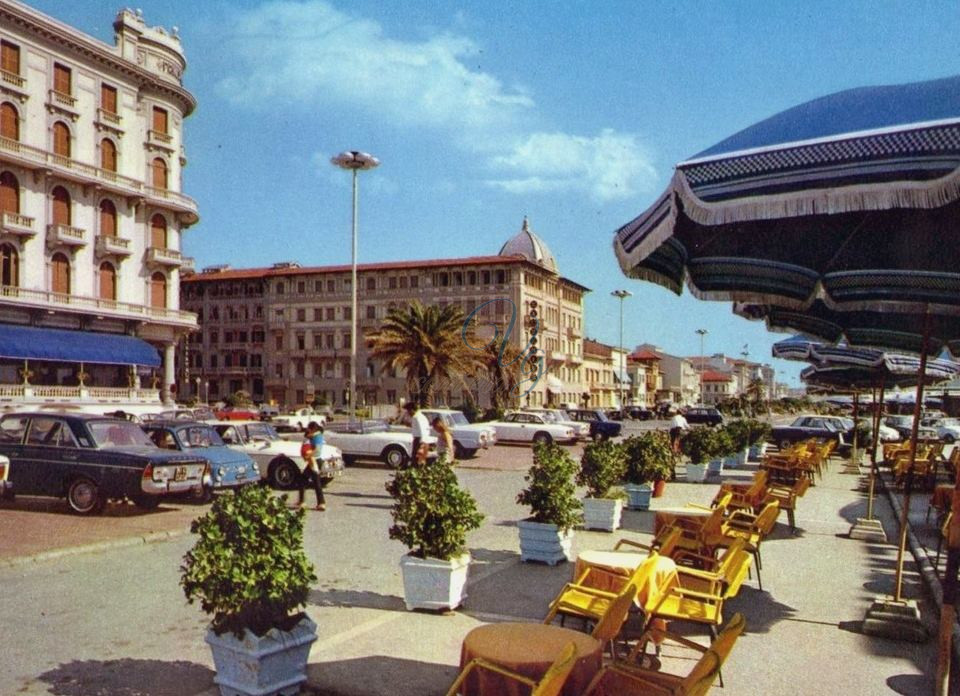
x=91 y=210
x=282 y=333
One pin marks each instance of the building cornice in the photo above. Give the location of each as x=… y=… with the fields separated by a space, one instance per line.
x=49 y=29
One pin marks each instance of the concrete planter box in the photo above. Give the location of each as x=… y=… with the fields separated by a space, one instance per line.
x=602 y=513
x=757 y=451
x=431 y=583
x=741 y=459
x=270 y=665
x=544 y=542
x=696 y=473
x=638 y=495
x=715 y=466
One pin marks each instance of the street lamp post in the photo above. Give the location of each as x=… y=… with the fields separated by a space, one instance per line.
x=621 y=295
x=354 y=161
x=701 y=333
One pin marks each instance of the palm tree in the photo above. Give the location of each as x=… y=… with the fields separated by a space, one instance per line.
x=755 y=392
x=429 y=343
x=503 y=365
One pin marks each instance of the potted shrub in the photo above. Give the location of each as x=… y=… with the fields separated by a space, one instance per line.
x=602 y=467
x=723 y=450
x=547 y=535
x=650 y=459
x=759 y=434
x=739 y=433
x=432 y=515
x=699 y=444
x=250 y=573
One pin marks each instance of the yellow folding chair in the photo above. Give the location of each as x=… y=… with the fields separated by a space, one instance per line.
x=549 y=685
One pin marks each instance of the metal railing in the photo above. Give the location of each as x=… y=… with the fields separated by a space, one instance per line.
x=45 y=299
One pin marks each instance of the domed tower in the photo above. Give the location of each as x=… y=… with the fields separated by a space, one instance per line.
x=527 y=244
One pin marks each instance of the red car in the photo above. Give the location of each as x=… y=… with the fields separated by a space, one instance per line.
x=230 y=413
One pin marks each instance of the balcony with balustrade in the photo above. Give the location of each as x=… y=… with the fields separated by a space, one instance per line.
x=17 y=224
x=13 y=84
x=65 y=235
x=111 y=245
x=160 y=256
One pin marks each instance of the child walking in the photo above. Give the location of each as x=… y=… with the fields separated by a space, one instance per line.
x=309 y=450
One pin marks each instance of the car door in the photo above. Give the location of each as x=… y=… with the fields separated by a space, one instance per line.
x=22 y=472
x=47 y=463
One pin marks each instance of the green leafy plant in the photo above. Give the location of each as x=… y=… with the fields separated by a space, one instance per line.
x=649 y=457
x=700 y=444
x=431 y=513
x=723 y=443
x=602 y=467
x=550 y=493
x=760 y=431
x=248 y=567
x=739 y=433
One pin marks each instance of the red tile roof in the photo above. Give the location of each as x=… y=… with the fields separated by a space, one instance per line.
x=643 y=354
x=711 y=376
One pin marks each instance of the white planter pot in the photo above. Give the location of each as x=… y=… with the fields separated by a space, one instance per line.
x=544 y=542
x=431 y=583
x=602 y=513
x=268 y=665
x=696 y=473
x=757 y=451
x=715 y=466
x=638 y=496
x=742 y=457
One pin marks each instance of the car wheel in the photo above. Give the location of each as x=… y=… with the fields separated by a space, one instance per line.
x=949 y=439
x=205 y=496
x=469 y=453
x=542 y=438
x=146 y=502
x=394 y=456
x=84 y=497
x=460 y=452
x=349 y=460
x=784 y=444
x=283 y=474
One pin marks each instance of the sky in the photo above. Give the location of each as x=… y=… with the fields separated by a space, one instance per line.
x=572 y=114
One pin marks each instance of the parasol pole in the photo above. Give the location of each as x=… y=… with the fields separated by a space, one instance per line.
x=908 y=486
x=877 y=416
x=855 y=454
x=948 y=609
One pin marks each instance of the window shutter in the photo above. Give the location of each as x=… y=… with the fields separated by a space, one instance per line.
x=160 y=120
x=61 y=206
x=108 y=218
x=9 y=122
x=108 y=155
x=10 y=57
x=158 y=232
x=61 y=79
x=9 y=193
x=108 y=99
x=61 y=140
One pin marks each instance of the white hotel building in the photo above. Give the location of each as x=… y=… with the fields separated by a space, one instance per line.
x=91 y=211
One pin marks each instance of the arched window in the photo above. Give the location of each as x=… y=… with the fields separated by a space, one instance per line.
x=9 y=121
x=158 y=290
x=108 y=155
x=158 y=231
x=108 y=281
x=60 y=273
x=159 y=168
x=108 y=218
x=61 y=139
x=61 y=206
x=9 y=265
x=9 y=193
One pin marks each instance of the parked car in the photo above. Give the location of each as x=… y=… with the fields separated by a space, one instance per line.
x=639 y=412
x=531 y=427
x=601 y=427
x=279 y=460
x=947 y=429
x=703 y=415
x=297 y=420
x=268 y=411
x=6 y=486
x=887 y=434
x=806 y=427
x=90 y=459
x=374 y=439
x=235 y=413
x=903 y=424
x=561 y=417
x=228 y=468
x=468 y=437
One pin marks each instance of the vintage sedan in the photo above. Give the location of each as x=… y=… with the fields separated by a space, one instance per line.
x=228 y=468
x=297 y=420
x=374 y=439
x=468 y=437
x=601 y=427
x=561 y=417
x=818 y=427
x=279 y=460
x=91 y=459
x=531 y=427
x=904 y=425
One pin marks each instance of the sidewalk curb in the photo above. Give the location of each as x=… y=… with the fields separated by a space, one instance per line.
x=123 y=542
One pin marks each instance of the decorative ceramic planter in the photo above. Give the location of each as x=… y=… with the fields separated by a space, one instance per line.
x=431 y=583
x=715 y=466
x=659 y=486
x=758 y=450
x=638 y=495
x=696 y=473
x=602 y=513
x=544 y=542
x=270 y=665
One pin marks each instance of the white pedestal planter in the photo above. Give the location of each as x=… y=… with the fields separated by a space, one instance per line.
x=268 y=665
x=696 y=473
x=602 y=513
x=742 y=457
x=544 y=542
x=430 y=583
x=757 y=451
x=715 y=466
x=638 y=495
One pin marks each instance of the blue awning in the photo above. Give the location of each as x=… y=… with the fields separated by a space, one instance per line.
x=32 y=343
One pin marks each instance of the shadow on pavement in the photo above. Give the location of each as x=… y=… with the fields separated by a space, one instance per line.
x=371 y=675
x=128 y=677
x=58 y=506
x=519 y=590
x=355 y=598
x=760 y=609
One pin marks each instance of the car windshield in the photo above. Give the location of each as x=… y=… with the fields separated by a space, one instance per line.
x=549 y=416
x=458 y=418
x=199 y=436
x=261 y=431
x=116 y=433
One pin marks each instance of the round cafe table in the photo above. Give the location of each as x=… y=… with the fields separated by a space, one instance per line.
x=689 y=517
x=528 y=649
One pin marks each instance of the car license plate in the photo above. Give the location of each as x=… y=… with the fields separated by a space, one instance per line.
x=180 y=474
x=241 y=475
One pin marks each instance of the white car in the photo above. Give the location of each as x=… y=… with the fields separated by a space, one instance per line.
x=467 y=437
x=374 y=439
x=279 y=460
x=561 y=417
x=887 y=434
x=297 y=420
x=531 y=427
x=948 y=429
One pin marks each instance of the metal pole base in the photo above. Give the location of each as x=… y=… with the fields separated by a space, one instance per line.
x=896 y=620
x=868 y=530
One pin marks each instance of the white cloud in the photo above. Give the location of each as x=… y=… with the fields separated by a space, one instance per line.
x=609 y=166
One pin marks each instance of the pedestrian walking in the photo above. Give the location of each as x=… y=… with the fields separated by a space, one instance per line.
x=677 y=425
x=444 y=439
x=419 y=427
x=310 y=450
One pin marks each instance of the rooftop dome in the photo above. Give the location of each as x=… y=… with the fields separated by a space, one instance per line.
x=530 y=246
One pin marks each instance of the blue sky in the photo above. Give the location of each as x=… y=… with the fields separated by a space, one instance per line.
x=482 y=112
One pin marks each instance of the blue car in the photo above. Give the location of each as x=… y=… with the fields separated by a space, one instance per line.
x=228 y=467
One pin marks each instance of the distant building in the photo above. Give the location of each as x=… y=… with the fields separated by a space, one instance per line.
x=645 y=376
x=717 y=387
x=679 y=382
x=282 y=333
x=601 y=386
x=91 y=211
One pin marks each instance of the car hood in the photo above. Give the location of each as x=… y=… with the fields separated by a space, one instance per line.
x=154 y=454
x=221 y=455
